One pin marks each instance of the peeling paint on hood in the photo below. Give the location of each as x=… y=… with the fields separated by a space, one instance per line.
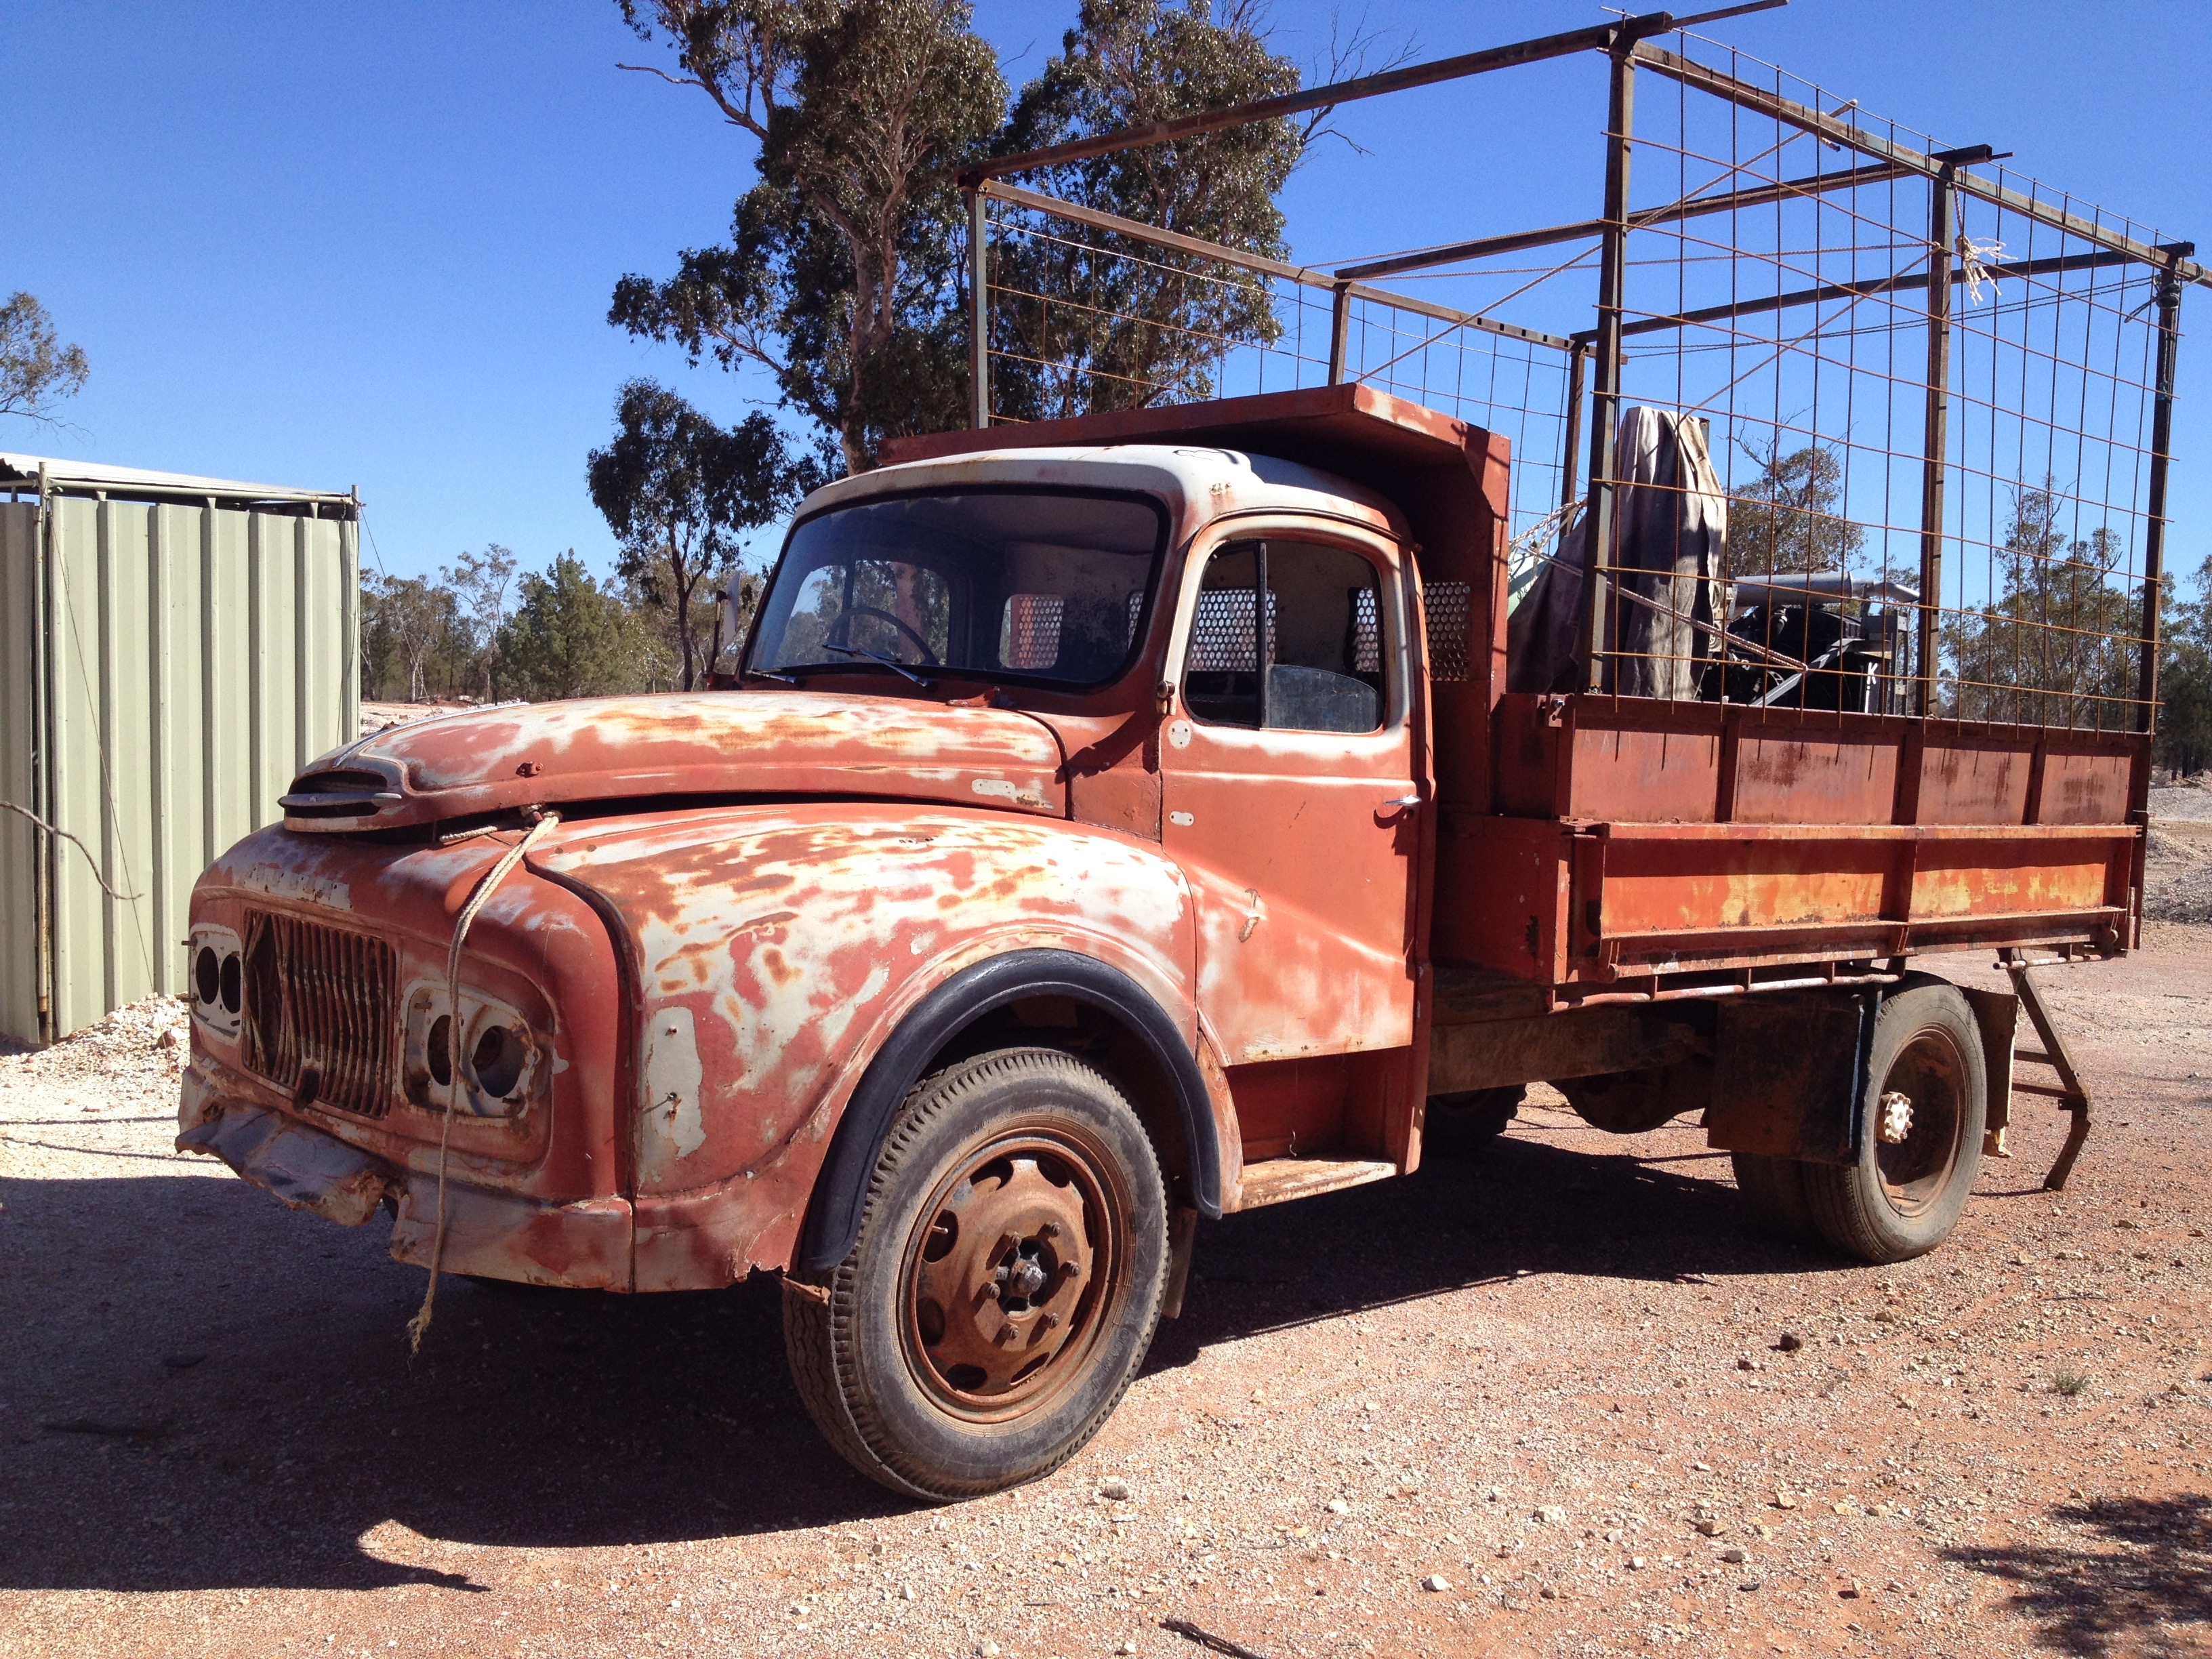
x=754 y=743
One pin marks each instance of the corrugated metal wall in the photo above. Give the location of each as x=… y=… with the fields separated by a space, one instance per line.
x=197 y=655
x=19 y=748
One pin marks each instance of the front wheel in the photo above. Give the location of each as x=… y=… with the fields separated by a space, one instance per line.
x=1921 y=1144
x=1004 y=1284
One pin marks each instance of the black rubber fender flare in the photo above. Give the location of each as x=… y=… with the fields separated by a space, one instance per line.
x=833 y=1218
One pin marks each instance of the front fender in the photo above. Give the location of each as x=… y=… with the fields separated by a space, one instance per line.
x=773 y=952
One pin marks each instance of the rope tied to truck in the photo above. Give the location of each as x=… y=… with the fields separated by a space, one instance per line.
x=420 y=1323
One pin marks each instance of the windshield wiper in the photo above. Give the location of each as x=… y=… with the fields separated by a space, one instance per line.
x=891 y=663
x=770 y=674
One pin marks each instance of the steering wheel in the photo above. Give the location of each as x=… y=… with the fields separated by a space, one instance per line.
x=843 y=628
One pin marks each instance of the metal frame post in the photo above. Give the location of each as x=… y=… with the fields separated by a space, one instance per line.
x=1569 y=452
x=2161 y=443
x=1605 y=383
x=979 y=307
x=1339 y=330
x=1934 y=443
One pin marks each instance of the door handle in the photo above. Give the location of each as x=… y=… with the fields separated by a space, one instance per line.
x=1405 y=803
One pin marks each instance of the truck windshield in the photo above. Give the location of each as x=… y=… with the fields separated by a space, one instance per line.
x=1047 y=588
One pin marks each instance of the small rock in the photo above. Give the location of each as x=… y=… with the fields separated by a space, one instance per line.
x=1549 y=1593
x=1788 y=1342
x=1337 y=1506
x=1850 y=1592
x=1763 y=1531
x=1703 y=1468
x=1748 y=1584
x=1436 y=1581
x=1492 y=1496
x=1746 y=1363
x=1883 y=1316
x=1711 y=1527
x=1114 y=1490
x=1636 y=1563
x=906 y=1592
x=1784 y=1500
x=1844 y=1509
x=1551 y=1515
x=986 y=1651
x=1125 y=1647
x=166 y=1040
x=1735 y=1558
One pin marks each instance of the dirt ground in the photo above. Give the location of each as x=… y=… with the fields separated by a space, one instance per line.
x=1551 y=1378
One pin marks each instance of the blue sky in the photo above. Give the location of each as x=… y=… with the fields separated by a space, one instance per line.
x=373 y=247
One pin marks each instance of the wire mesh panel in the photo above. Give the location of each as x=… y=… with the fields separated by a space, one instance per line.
x=1083 y=319
x=1817 y=412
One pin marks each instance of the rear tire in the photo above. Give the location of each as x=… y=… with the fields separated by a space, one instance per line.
x=1458 y=1124
x=1774 y=1190
x=1005 y=1285
x=1921 y=1140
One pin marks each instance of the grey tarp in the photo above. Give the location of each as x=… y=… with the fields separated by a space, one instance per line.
x=1670 y=534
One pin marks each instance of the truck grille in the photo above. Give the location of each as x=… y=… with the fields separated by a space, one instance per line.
x=321 y=1012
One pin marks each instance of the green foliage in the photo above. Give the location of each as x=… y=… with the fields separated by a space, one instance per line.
x=481 y=583
x=1152 y=323
x=37 y=371
x=841 y=274
x=2184 y=680
x=676 y=488
x=1786 y=519
x=569 y=637
x=2056 y=647
x=405 y=621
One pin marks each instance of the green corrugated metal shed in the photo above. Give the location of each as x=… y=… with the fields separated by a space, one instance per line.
x=173 y=649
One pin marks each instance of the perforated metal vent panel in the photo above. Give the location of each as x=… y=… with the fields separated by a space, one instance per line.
x=1366 y=632
x=1030 y=638
x=1221 y=635
x=1450 y=606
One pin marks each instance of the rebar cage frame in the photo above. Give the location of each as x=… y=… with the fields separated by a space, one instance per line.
x=1922 y=373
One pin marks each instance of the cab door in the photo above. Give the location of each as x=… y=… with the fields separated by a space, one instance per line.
x=1289 y=794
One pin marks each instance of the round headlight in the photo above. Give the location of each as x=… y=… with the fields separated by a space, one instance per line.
x=204 y=979
x=497 y=1060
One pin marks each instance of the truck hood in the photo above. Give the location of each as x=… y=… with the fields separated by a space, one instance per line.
x=775 y=744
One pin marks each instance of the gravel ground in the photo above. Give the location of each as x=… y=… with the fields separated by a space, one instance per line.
x=1556 y=1379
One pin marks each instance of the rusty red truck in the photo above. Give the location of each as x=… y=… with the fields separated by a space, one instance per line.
x=1115 y=823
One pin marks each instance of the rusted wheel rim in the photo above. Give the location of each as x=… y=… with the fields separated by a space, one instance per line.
x=1930 y=1075
x=1011 y=1270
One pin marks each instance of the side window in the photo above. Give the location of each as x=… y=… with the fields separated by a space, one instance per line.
x=1288 y=636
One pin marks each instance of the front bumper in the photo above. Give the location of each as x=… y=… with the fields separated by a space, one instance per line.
x=584 y=1245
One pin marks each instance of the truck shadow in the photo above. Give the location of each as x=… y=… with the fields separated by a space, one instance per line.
x=2142 y=1574
x=201 y=1389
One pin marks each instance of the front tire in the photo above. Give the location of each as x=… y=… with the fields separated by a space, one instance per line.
x=1921 y=1144
x=1004 y=1284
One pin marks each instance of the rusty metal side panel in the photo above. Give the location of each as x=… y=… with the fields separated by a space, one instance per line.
x=1690 y=887
x=2014 y=878
x=1658 y=773
x=1501 y=896
x=1967 y=779
x=1808 y=775
x=2083 y=786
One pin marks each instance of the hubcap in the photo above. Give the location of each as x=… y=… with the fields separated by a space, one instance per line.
x=1011 y=1261
x=1920 y=1117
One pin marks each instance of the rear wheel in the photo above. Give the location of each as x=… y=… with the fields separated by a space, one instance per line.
x=1005 y=1285
x=1921 y=1145
x=1774 y=1189
x=1458 y=1124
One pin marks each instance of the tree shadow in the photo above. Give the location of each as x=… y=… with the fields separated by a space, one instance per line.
x=202 y=1389
x=2146 y=1590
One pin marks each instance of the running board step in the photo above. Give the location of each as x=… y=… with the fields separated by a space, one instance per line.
x=1275 y=1180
